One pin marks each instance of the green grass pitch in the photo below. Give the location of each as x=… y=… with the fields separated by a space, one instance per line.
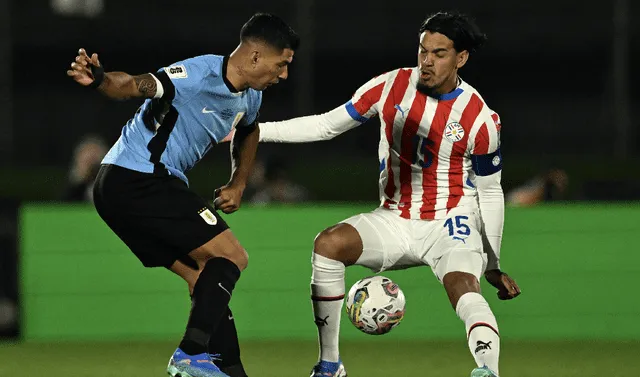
x=377 y=357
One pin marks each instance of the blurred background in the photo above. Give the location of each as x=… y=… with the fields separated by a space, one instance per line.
x=560 y=74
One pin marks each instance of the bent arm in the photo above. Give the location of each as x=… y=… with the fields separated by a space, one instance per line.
x=243 y=152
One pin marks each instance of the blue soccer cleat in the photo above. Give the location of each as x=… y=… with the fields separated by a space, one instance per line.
x=483 y=372
x=183 y=365
x=329 y=369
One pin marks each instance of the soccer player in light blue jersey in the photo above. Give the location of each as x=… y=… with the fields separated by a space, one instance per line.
x=142 y=191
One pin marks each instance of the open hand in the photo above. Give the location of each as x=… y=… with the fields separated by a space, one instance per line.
x=81 y=68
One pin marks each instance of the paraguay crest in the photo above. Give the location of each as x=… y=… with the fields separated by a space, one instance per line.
x=454 y=132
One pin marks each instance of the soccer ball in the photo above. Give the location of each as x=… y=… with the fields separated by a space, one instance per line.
x=375 y=305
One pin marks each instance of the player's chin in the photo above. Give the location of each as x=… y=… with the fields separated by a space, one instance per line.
x=424 y=87
x=266 y=86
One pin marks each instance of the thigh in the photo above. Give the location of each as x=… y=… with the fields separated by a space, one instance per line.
x=460 y=261
x=159 y=218
x=454 y=244
x=385 y=238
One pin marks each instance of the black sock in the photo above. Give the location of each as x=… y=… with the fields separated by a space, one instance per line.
x=209 y=302
x=225 y=343
x=234 y=371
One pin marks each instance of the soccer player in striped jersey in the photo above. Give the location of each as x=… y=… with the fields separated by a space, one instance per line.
x=441 y=203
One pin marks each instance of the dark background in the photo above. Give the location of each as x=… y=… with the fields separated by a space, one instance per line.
x=558 y=72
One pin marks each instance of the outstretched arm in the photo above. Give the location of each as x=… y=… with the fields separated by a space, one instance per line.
x=362 y=106
x=309 y=128
x=87 y=71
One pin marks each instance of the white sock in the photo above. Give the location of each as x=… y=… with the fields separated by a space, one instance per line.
x=327 y=294
x=482 y=329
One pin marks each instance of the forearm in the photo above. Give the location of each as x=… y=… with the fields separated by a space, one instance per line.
x=491 y=202
x=309 y=128
x=243 y=152
x=122 y=86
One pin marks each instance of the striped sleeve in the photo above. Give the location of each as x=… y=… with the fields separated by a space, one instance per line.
x=485 y=137
x=363 y=104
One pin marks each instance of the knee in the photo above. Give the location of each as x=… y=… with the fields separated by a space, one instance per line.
x=458 y=283
x=329 y=244
x=239 y=257
x=340 y=242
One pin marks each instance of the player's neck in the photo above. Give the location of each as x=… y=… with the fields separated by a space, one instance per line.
x=233 y=74
x=448 y=86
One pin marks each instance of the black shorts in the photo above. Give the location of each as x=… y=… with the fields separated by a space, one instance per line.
x=156 y=216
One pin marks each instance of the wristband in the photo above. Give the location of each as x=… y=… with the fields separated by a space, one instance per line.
x=98 y=76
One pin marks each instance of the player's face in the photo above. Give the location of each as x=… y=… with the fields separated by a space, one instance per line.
x=438 y=63
x=271 y=67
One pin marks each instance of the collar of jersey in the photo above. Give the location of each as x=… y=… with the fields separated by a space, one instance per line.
x=451 y=95
x=447 y=96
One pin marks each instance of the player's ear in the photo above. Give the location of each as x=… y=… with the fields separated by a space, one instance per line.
x=461 y=58
x=255 y=56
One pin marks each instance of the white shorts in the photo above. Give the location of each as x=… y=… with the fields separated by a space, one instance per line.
x=391 y=242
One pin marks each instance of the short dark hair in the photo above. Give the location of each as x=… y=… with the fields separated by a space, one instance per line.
x=458 y=27
x=270 y=29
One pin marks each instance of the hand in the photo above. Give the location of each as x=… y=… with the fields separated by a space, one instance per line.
x=81 y=68
x=227 y=198
x=507 y=287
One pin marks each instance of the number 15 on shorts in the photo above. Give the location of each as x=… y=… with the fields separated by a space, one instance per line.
x=458 y=230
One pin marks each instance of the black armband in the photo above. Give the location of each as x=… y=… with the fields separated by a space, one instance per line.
x=98 y=76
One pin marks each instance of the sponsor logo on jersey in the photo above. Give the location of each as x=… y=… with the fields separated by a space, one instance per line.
x=226 y=114
x=397 y=107
x=454 y=132
x=177 y=71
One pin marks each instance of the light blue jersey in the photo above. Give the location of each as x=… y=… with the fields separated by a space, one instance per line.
x=198 y=108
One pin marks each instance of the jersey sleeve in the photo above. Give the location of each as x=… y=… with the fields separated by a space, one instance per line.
x=182 y=80
x=487 y=138
x=364 y=103
x=486 y=157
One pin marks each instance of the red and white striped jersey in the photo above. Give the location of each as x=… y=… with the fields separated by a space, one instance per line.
x=426 y=143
